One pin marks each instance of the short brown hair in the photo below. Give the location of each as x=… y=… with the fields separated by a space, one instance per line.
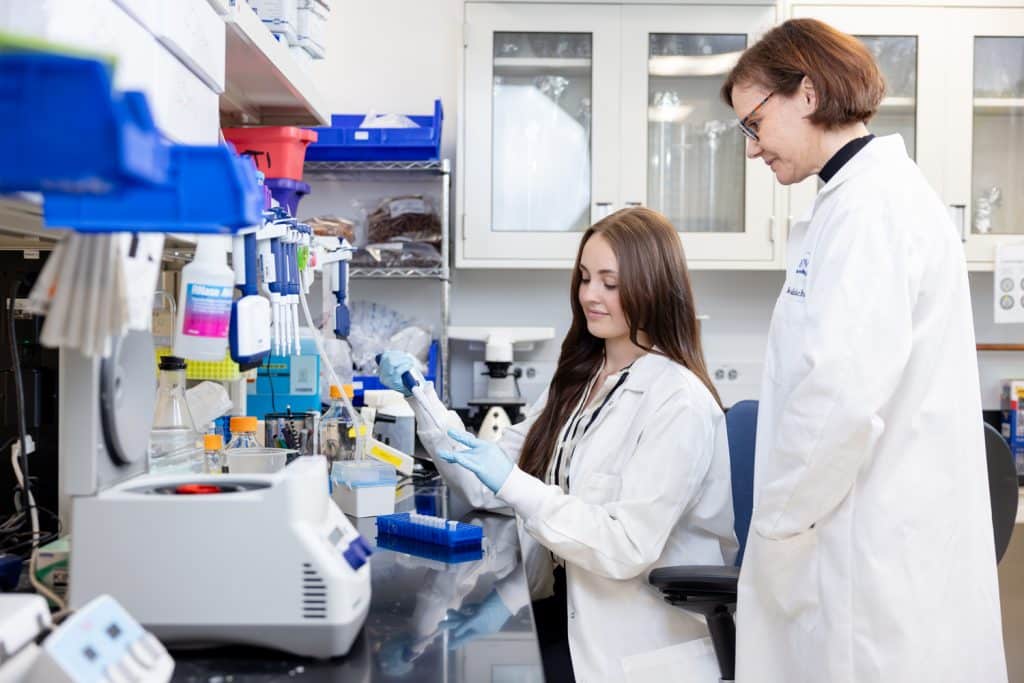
x=845 y=76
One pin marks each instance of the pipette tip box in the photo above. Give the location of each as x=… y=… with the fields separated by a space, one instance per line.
x=430 y=529
x=430 y=551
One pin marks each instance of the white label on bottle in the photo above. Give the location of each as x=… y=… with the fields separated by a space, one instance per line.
x=399 y=207
x=207 y=310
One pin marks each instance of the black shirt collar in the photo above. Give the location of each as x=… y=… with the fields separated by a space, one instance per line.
x=845 y=153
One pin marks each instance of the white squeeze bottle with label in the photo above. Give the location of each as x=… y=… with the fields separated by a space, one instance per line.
x=204 y=302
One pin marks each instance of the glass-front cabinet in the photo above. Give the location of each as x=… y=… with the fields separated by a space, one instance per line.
x=904 y=41
x=986 y=146
x=955 y=81
x=541 y=122
x=572 y=112
x=682 y=152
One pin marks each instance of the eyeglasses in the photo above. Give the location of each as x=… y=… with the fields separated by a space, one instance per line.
x=745 y=127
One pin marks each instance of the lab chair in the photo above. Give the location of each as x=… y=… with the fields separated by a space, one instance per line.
x=711 y=591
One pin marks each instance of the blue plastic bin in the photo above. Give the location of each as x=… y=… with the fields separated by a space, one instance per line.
x=344 y=140
x=208 y=190
x=361 y=383
x=63 y=128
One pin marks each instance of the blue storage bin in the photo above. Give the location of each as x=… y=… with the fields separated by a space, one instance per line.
x=63 y=128
x=344 y=140
x=361 y=383
x=208 y=190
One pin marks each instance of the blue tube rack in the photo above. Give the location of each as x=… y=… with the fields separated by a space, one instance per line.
x=62 y=127
x=431 y=551
x=208 y=190
x=449 y=534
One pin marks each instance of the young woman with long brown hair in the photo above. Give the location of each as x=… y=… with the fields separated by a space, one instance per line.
x=620 y=467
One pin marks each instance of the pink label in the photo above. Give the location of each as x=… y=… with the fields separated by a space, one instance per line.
x=207 y=310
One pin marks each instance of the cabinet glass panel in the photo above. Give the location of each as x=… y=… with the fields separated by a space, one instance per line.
x=695 y=151
x=997 y=168
x=897 y=58
x=541 y=131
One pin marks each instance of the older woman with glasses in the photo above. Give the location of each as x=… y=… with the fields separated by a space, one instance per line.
x=870 y=555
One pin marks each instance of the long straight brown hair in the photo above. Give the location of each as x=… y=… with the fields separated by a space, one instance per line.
x=656 y=298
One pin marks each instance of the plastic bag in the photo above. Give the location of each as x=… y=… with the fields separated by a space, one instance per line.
x=333 y=226
x=398 y=254
x=206 y=402
x=408 y=217
x=415 y=341
x=373 y=328
x=375 y=120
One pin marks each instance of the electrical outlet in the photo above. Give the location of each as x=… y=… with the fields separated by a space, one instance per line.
x=735 y=380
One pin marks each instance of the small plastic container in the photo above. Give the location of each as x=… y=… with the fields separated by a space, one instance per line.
x=344 y=140
x=364 y=488
x=281 y=17
x=288 y=193
x=279 y=151
x=213 y=454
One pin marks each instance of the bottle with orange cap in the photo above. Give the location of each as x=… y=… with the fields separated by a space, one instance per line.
x=243 y=435
x=336 y=438
x=213 y=454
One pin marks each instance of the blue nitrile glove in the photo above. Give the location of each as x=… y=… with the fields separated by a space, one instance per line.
x=485 y=459
x=394 y=364
x=474 y=621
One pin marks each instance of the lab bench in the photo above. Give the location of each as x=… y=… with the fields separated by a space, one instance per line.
x=417 y=604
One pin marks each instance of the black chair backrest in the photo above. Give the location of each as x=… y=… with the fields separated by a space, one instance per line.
x=1002 y=488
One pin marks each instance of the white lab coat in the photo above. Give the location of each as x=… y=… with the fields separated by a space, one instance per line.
x=649 y=487
x=870 y=555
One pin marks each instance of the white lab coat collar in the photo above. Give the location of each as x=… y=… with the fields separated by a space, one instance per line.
x=878 y=151
x=645 y=370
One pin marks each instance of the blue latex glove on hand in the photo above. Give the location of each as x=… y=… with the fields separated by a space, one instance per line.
x=475 y=621
x=394 y=364
x=485 y=459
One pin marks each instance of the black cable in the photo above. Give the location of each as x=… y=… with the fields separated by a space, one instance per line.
x=19 y=393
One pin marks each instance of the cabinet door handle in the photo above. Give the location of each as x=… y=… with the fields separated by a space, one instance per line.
x=634 y=204
x=958 y=214
x=602 y=209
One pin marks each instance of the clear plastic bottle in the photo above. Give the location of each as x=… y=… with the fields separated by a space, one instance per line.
x=213 y=455
x=173 y=442
x=336 y=442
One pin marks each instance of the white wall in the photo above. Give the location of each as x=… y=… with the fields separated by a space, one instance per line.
x=397 y=56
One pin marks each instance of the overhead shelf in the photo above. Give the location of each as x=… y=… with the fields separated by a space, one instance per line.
x=526 y=66
x=265 y=84
x=372 y=170
x=897 y=105
x=369 y=273
x=998 y=105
